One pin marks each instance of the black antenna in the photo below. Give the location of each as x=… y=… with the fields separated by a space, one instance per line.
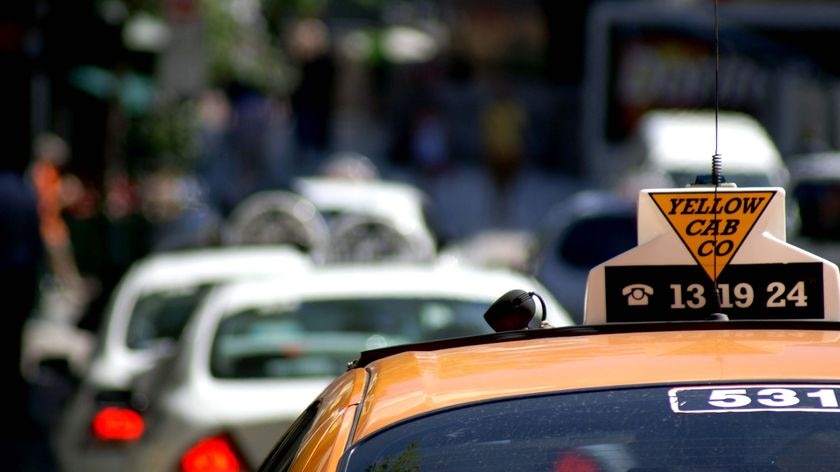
x=716 y=161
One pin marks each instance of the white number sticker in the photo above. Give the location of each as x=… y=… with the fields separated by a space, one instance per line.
x=741 y=398
x=729 y=398
x=777 y=397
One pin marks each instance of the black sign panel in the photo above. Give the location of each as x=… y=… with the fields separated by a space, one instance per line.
x=747 y=291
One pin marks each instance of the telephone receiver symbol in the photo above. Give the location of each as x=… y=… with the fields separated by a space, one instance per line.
x=637 y=294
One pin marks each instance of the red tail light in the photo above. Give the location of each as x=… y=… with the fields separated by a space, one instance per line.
x=215 y=454
x=117 y=424
x=572 y=461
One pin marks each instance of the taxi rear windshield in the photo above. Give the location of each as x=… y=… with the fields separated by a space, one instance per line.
x=658 y=429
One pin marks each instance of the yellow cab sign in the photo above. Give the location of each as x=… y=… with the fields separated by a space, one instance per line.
x=712 y=225
x=702 y=251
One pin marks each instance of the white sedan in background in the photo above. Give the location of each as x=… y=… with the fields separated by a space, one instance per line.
x=142 y=325
x=337 y=219
x=372 y=218
x=258 y=352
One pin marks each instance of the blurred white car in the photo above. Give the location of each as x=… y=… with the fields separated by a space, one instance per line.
x=493 y=248
x=142 y=324
x=338 y=219
x=255 y=342
x=676 y=145
x=364 y=213
x=272 y=217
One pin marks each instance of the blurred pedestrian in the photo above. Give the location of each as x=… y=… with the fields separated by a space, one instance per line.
x=216 y=159
x=21 y=253
x=430 y=141
x=51 y=154
x=234 y=158
x=312 y=99
x=503 y=122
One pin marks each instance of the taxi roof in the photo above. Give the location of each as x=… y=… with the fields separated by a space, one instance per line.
x=436 y=375
x=398 y=202
x=192 y=266
x=386 y=277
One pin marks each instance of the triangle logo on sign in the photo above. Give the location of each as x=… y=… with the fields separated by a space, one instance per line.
x=712 y=225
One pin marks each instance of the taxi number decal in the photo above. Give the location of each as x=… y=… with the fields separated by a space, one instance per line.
x=781 y=397
x=747 y=291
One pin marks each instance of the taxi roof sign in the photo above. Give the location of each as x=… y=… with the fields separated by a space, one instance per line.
x=727 y=217
x=707 y=250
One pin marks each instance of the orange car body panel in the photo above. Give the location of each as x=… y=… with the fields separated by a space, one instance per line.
x=325 y=442
x=412 y=383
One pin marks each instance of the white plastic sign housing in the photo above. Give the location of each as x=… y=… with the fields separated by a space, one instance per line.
x=707 y=250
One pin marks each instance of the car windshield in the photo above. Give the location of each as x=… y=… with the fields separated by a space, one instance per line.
x=319 y=338
x=162 y=315
x=626 y=430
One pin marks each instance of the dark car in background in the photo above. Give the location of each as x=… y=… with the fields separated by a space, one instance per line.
x=576 y=235
x=815 y=193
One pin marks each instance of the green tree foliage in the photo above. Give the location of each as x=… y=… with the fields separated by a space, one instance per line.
x=242 y=48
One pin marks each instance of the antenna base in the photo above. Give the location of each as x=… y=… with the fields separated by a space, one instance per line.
x=708 y=181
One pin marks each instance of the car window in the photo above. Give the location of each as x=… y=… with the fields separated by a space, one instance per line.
x=282 y=454
x=625 y=430
x=591 y=241
x=162 y=315
x=319 y=338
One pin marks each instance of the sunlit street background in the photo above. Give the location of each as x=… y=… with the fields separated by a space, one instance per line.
x=161 y=116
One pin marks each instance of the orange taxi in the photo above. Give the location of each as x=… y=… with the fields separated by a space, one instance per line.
x=712 y=346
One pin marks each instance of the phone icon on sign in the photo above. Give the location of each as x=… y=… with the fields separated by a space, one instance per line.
x=637 y=294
